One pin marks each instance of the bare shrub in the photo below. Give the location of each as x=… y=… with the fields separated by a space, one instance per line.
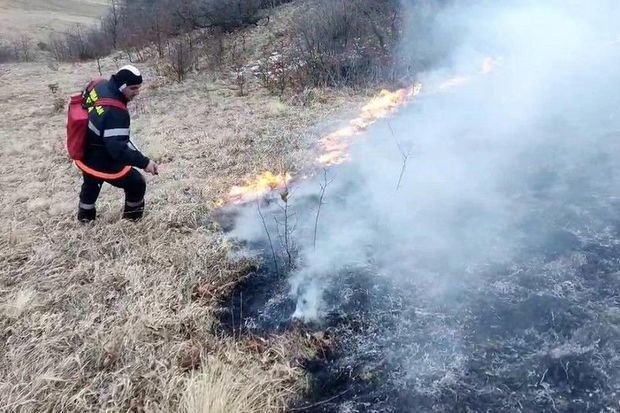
x=59 y=102
x=134 y=24
x=232 y=14
x=16 y=49
x=24 y=44
x=155 y=25
x=187 y=15
x=80 y=44
x=127 y=25
x=138 y=54
x=7 y=52
x=347 y=41
x=240 y=79
x=280 y=71
x=237 y=65
x=213 y=46
x=181 y=57
x=111 y=23
x=159 y=31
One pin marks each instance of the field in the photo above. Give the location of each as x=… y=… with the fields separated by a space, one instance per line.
x=40 y=18
x=118 y=316
x=448 y=247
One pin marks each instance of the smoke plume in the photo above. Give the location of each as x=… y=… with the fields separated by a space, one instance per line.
x=467 y=175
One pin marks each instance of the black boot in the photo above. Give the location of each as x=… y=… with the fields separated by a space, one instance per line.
x=133 y=211
x=86 y=214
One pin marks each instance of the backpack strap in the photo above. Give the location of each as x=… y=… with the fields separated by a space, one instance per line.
x=115 y=103
x=111 y=103
x=91 y=85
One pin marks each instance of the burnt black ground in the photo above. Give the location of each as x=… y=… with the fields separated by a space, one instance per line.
x=544 y=336
x=537 y=332
x=539 y=335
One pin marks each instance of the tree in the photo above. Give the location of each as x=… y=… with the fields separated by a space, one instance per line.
x=112 y=23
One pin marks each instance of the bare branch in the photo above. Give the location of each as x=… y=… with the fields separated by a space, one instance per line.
x=404 y=154
x=318 y=211
x=273 y=251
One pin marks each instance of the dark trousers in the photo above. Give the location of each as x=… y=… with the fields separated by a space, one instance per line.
x=132 y=183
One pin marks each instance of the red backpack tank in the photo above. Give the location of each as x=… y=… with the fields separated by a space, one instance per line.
x=77 y=119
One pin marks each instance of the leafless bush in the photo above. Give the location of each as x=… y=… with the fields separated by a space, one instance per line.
x=347 y=41
x=143 y=54
x=237 y=64
x=133 y=24
x=279 y=71
x=128 y=25
x=181 y=57
x=155 y=25
x=215 y=48
x=24 y=44
x=7 y=52
x=16 y=50
x=112 y=23
x=59 y=102
x=80 y=44
x=228 y=14
x=187 y=15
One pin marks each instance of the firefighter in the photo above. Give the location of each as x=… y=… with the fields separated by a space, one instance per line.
x=110 y=156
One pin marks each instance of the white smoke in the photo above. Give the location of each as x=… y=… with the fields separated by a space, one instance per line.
x=475 y=150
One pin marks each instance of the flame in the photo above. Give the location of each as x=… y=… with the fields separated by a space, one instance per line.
x=381 y=104
x=335 y=145
x=258 y=187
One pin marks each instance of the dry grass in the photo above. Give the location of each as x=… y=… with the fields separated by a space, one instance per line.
x=239 y=382
x=39 y=18
x=103 y=317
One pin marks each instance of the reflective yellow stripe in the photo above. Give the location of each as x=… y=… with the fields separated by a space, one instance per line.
x=102 y=175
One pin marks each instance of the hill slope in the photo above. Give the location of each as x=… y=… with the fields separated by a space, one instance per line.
x=39 y=18
x=114 y=315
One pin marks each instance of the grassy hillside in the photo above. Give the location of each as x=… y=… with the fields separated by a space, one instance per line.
x=119 y=316
x=39 y=18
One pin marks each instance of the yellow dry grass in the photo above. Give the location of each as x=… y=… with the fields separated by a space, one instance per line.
x=103 y=317
x=243 y=384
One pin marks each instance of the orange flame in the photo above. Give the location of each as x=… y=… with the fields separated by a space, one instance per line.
x=260 y=186
x=336 y=144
